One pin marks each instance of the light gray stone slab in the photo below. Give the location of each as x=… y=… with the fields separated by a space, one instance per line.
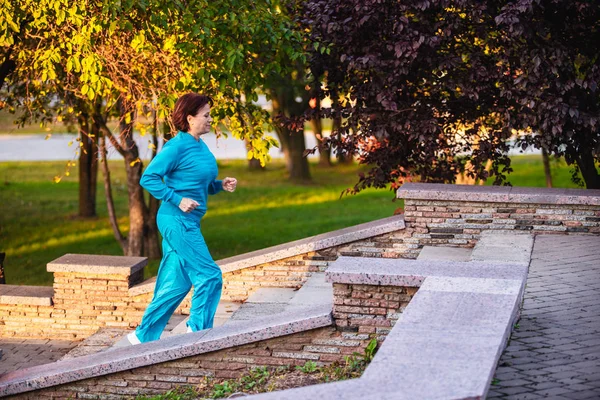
x=314 y=243
x=317 y=279
x=498 y=194
x=271 y=295
x=174 y=347
x=27 y=295
x=402 y=272
x=501 y=254
x=443 y=310
x=96 y=264
x=250 y=311
x=472 y=285
x=442 y=253
x=503 y=247
x=7 y=289
x=313 y=296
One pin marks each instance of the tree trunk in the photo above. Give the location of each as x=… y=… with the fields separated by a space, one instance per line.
x=324 y=151
x=133 y=169
x=587 y=166
x=547 y=171
x=292 y=142
x=88 y=167
x=2 y=277
x=142 y=239
x=343 y=158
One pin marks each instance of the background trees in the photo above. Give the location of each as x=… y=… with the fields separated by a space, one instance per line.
x=552 y=71
x=90 y=62
x=430 y=89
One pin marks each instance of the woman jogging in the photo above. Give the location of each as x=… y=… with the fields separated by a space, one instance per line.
x=182 y=175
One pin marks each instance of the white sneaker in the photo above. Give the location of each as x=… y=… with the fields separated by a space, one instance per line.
x=128 y=340
x=133 y=339
x=189 y=330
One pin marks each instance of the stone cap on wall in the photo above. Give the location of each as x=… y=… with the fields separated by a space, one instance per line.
x=167 y=349
x=95 y=264
x=26 y=295
x=313 y=243
x=498 y=194
x=403 y=272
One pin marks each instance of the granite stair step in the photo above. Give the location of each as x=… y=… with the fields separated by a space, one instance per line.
x=441 y=253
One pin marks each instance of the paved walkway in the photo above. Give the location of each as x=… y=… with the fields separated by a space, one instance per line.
x=554 y=351
x=23 y=353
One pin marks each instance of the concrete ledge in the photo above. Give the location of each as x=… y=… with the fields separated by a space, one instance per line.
x=402 y=272
x=26 y=295
x=95 y=264
x=167 y=349
x=498 y=194
x=313 y=243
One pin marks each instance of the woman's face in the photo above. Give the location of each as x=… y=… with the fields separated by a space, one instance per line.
x=200 y=123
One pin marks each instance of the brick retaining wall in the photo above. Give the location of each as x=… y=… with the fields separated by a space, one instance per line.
x=361 y=312
x=455 y=215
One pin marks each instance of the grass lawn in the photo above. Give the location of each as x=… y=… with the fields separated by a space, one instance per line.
x=38 y=220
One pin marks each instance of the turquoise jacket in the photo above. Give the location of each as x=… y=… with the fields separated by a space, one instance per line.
x=185 y=167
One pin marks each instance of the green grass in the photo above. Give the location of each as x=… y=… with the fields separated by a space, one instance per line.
x=529 y=171
x=38 y=221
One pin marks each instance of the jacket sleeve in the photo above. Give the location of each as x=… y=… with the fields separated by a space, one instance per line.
x=215 y=187
x=152 y=179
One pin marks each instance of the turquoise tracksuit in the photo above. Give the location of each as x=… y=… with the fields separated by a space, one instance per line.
x=183 y=168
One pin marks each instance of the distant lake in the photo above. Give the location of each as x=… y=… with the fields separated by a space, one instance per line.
x=36 y=148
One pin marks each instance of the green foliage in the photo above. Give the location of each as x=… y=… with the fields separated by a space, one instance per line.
x=146 y=54
x=370 y=350
x=308 y=368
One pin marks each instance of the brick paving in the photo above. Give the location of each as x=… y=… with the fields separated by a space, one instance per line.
x=23 y=353
x=554 y=351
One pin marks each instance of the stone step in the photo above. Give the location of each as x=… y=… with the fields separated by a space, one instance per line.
x=271 y=295
x=315 y=291
x=503 y=247
x=268 y=301
x=439 y=253
x=225 y=310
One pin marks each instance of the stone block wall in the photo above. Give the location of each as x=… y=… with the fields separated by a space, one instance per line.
x=455 y=215
x=89 y=292
x=366 y=311
x=361 y=312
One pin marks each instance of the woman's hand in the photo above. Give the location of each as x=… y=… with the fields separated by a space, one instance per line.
x=229 y=184
x=188 y=205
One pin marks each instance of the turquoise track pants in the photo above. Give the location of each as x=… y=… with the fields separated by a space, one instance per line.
x=186 y=262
